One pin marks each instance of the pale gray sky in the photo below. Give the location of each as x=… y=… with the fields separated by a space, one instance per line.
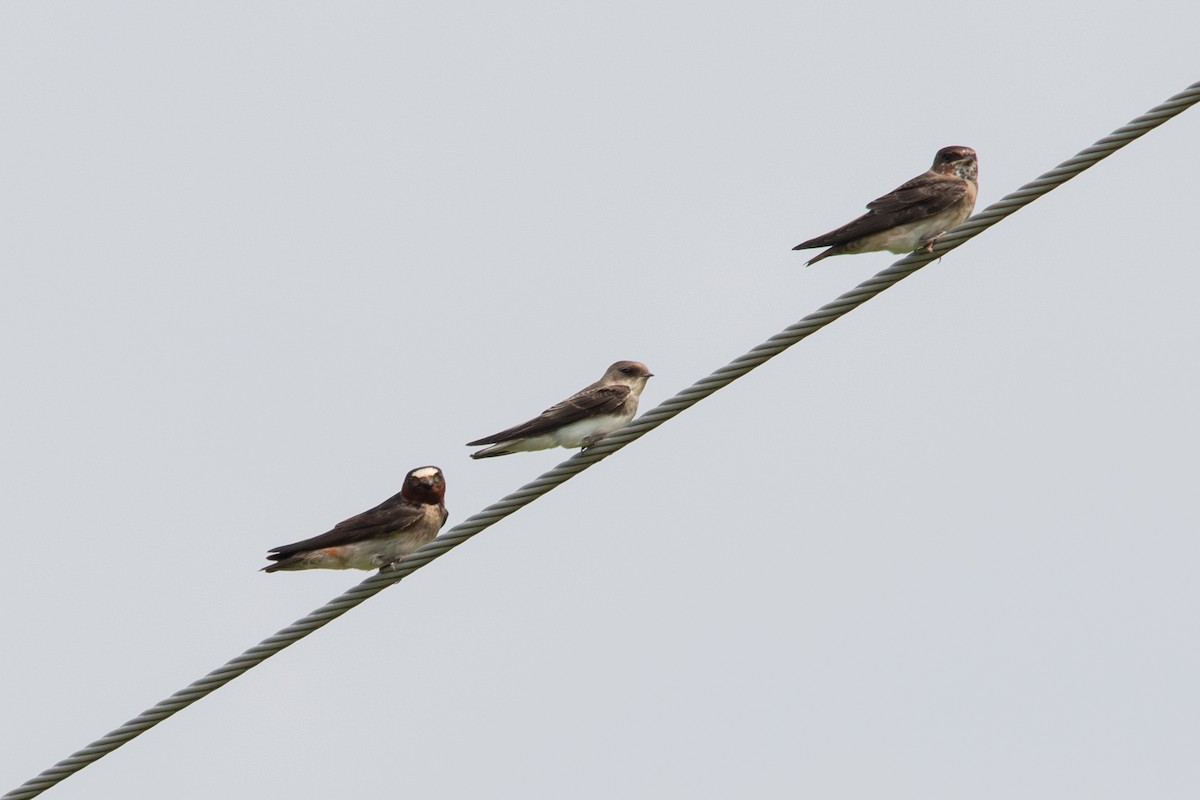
x=263 y=258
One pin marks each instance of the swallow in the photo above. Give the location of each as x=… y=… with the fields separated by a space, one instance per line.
x=913 y=215
x=581 y=420
x=375 y=538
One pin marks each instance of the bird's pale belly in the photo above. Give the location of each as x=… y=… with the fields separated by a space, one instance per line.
x=573 y=435
x=367 y=555
x=907 y=238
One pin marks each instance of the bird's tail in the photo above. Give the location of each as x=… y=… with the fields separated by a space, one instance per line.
x=493 y=451
x=281 y=563
x=824 y=254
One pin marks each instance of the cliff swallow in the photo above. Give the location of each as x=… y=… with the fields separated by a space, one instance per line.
x=375 y=538
x=911 y=216
x=581 y=420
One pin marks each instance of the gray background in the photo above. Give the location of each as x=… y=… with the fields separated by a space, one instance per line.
x=260 y=259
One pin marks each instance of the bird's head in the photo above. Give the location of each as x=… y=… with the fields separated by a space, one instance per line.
x=957 y=160
x=629 y=373
x=424 y=485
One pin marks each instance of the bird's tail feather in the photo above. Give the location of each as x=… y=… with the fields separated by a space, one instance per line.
x=492 y=452
x=825 y=254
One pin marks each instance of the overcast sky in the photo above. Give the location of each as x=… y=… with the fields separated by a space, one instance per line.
x=261 y=259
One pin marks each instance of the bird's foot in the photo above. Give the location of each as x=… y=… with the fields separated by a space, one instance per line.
x=590 y=441
x=930 y=242
x=388 y=563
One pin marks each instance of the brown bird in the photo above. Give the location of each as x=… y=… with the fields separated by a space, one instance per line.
x=375 y=538
x=911 y=216
x=581 y=420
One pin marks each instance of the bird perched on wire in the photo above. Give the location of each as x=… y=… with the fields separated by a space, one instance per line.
x=913 y=215
x=375 y=538
x=581 y=420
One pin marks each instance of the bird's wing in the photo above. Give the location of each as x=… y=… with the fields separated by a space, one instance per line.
x=390 y=517
x=925 y=196
x=596 y=400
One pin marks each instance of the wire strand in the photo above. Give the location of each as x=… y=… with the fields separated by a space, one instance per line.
x=613 y=442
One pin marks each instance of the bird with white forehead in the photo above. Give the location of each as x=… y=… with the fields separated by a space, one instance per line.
x=375 y=538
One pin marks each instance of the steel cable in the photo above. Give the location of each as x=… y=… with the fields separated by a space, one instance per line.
x=635 y=430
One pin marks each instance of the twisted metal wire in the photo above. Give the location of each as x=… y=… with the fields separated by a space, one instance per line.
x=610 y=444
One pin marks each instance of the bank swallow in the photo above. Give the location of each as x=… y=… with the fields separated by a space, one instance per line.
x=911 y=216
x=581 y=420
x=375 y=538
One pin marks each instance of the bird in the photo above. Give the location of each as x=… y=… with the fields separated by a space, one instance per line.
x=913 y=215
x=581 y=420
x=374 y=538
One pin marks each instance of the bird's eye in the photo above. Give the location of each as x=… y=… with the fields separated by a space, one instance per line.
x=628 y=370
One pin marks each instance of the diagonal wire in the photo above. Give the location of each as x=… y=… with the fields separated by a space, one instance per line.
x=612 y=443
